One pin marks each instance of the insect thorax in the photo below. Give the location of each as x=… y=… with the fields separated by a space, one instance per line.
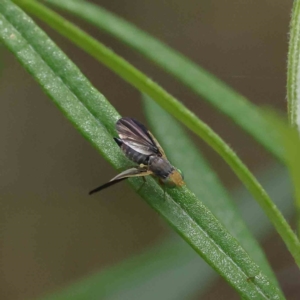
x=160 y=167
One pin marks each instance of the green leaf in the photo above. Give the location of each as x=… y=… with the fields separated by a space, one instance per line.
x=70 y=91
x=290 y=139
x=143 y=277
x=157 y=273
x=174 y=107
x=200 y=81
x=294 y=67
x=201 y=179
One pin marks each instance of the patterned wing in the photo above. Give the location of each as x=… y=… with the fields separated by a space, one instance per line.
x=136 y=136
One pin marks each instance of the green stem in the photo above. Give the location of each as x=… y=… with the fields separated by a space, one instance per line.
x=211 y=89
x=293 y=81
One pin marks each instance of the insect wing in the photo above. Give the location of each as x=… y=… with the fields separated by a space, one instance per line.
x=136 y=136
x=160 y=149
x=133 y=172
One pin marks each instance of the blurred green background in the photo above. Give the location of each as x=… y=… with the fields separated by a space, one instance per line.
x=51 y=232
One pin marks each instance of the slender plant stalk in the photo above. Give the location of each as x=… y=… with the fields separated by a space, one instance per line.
x=209 y=189
x=173 y=106
x=291 y=143
x=293 y=163
x=293 y=88
x=211 y=89
x=293 y=80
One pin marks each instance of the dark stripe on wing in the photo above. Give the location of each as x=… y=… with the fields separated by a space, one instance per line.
x=136 y=136
x=118 y=141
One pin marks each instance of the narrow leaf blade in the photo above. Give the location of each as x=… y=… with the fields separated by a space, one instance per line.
x=177 y=109
x=40 y=56
x=201 y=179
x=200 y=81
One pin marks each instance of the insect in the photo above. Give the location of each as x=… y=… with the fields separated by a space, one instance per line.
x=140 y=146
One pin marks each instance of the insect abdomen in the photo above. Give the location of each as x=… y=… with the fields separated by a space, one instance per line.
x=134 y=155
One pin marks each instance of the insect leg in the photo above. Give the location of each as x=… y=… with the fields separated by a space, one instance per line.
x=144 y=181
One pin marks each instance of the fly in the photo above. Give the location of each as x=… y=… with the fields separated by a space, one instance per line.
x=140 y=146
